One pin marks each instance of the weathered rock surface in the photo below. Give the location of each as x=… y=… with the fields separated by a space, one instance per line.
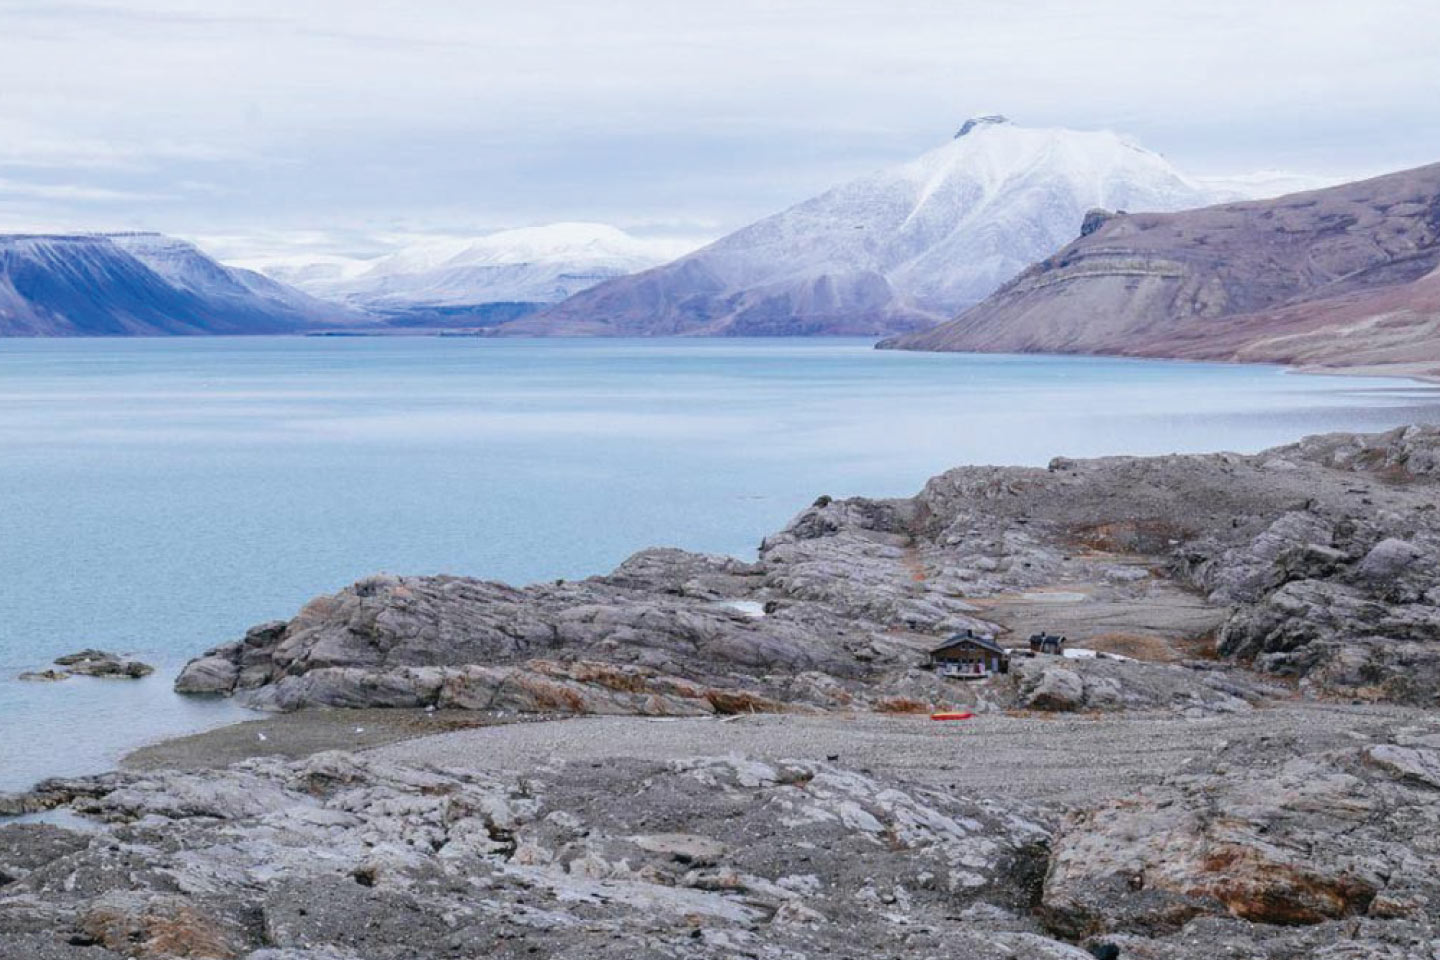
x=1318 y=562
x=92 y=663
x=661 y=635
x=43 y=676
x=108 y=665
x=1317 y=839
x=337 y=856
x=1192 y=688
x=1280 y=845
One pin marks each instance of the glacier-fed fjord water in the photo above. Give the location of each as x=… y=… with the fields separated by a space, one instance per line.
x=159 y=496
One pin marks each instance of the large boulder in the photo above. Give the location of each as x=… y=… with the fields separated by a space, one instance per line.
x=213 y=673
x=1321 y=838
x=1109 y=684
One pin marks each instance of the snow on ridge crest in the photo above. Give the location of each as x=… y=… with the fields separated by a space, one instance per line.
x=544 y=264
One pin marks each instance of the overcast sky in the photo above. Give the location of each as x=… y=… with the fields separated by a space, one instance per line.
x=343 y=125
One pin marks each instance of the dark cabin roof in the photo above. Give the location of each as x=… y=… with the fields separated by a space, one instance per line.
x=970 y=639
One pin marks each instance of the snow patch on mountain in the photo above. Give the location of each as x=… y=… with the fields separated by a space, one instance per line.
x=542 y=264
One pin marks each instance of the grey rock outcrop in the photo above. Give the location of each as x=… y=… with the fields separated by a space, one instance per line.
x=1316 y=839
x=93 y=663
x=1097 y=218
x=43 y=676
x=1319 y=561
x=98 y=663
x=337 y=856
x=1053 y=687
x=1283 y=843
x=1193 y=688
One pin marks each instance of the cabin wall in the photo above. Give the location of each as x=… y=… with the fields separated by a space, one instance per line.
x=967 y=660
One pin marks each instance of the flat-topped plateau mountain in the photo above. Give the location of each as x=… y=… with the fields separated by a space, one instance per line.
x=1344 y=276
x=1247 y=764
x=141 y=284
x=901 y=249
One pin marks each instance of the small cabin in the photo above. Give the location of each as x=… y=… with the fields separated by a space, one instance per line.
x=1047 y=643
x=969 y=656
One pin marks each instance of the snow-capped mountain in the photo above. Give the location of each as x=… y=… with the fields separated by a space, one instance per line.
x=186 y=267
x=141 y=284
x=900 y=249
x=529 y=266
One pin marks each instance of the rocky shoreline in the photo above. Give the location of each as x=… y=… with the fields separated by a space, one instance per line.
x=1314 y=563
x=1249 y=767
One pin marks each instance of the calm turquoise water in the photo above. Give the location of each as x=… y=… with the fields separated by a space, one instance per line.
x=159 y=496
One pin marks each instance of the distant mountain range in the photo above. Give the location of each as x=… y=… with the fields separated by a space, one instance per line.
x=1347 y=270
x=901 y=249
x=141 y=284
x=470 y=282
x=1345 y=276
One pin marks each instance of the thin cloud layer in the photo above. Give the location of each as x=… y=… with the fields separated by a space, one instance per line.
x=361 y=119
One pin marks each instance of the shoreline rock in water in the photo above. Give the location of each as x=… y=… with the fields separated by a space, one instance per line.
x=1316 y=563
x=92 y=663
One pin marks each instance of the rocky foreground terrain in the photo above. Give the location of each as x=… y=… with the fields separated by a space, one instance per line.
x=1312 y=841
x=1340 y=277
x=1252 y=771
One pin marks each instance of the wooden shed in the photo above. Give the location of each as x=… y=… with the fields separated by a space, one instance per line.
x=969 y=656
x=1047 y=643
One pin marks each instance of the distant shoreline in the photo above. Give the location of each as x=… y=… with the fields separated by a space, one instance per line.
x=1421 y=371
x=1427 y=372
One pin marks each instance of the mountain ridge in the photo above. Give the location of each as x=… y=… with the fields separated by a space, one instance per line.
x=1342 y=276
x=140 y=284
x=899 y=249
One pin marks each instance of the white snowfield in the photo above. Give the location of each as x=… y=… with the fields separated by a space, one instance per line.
x=542 y=264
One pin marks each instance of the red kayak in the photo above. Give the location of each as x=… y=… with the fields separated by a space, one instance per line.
x=951 y=716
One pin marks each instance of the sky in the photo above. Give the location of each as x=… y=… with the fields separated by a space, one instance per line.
x=275 y=128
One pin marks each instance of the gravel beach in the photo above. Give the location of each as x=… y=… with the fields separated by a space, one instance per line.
x=1072 y=759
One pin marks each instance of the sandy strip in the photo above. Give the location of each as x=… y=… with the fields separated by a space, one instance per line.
x=1427 y=371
